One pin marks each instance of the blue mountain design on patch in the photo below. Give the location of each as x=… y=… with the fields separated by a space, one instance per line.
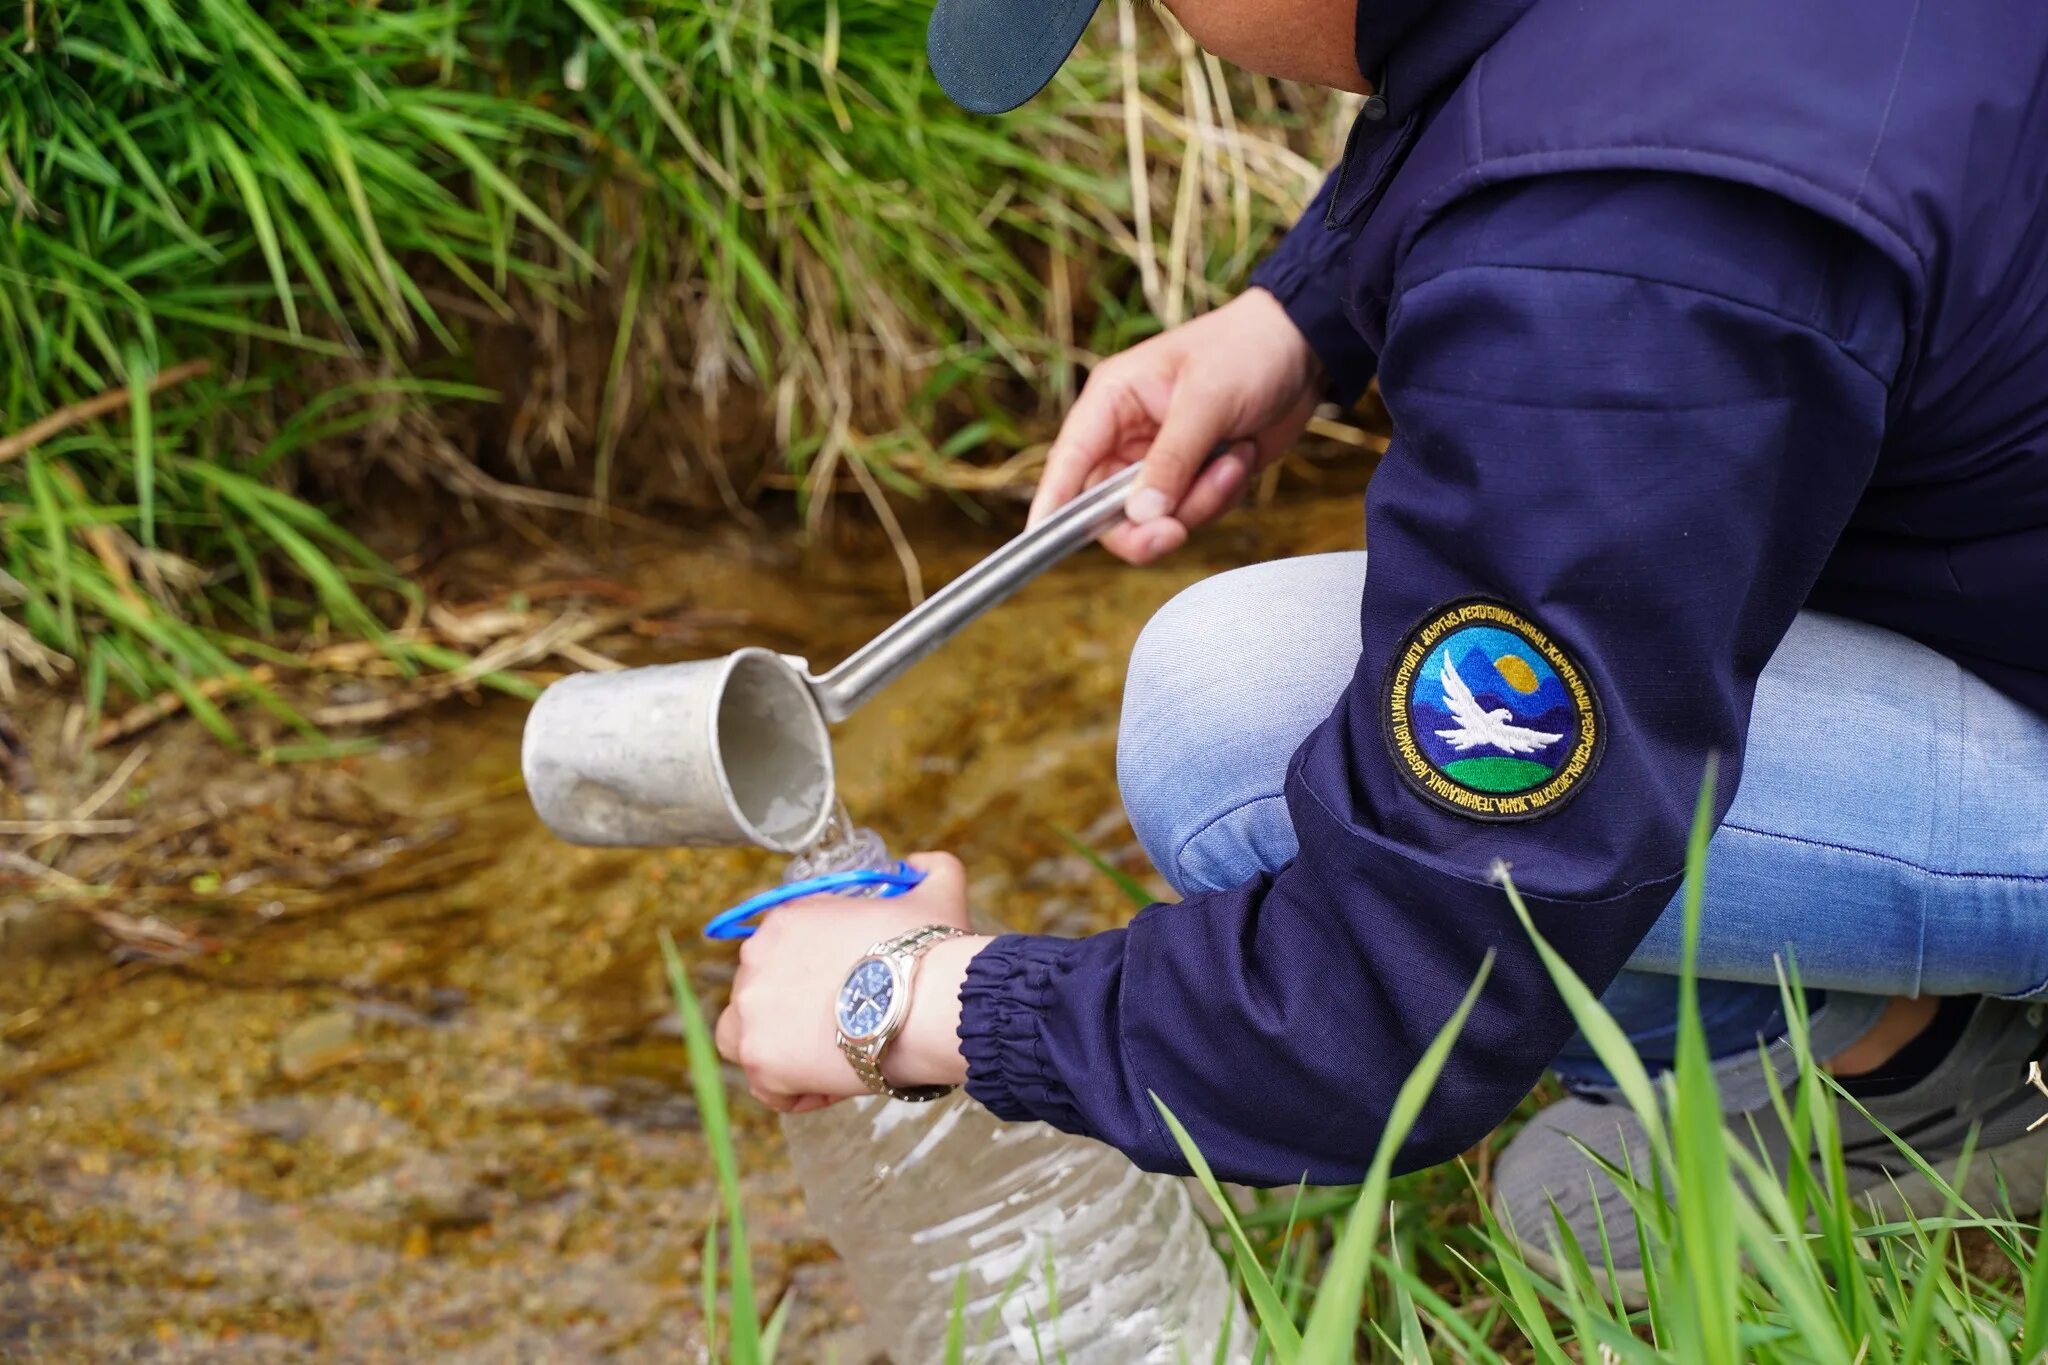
x=1493 y=690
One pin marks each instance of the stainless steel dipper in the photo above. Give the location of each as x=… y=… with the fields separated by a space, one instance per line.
x=736 y=750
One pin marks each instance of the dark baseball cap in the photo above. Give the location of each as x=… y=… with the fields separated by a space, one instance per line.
x=992 y=55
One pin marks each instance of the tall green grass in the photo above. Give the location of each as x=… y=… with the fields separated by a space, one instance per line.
x=268 y=197
x=1743 y=1262
x=746 y=209
x=881 y=255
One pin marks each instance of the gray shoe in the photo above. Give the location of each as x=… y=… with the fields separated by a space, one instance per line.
x=1981 y=1083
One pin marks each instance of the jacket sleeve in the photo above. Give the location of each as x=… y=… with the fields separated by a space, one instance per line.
x=1306 y=272
x=1638 y=410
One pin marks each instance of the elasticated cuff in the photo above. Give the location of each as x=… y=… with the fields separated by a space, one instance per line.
x=1002 y=1003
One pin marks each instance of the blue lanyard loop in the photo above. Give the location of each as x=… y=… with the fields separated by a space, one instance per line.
x=888 y=883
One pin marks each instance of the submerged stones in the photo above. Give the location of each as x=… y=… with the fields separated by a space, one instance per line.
x=320 y=1043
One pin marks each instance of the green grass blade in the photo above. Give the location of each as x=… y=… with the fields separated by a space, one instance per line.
x=708 y=1083
x=1700 y=1172
x=708 y=1288
x=142 y=433
x=446 y=131
x=1133 y=889
x=771 y=1331
x=956 y=1321
x=1333 y=1322
x=1274 y=1319
x=261 y=223
x=2034 y=1331
x=49 y=519
x=1414 y=1343
x=1609 y=1044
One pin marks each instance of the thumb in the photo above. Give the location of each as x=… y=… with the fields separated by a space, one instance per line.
x=1197 y=421
x=944 y=886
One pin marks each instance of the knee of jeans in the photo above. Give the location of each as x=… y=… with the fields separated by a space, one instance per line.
x=1210 y=715
x=1168 y=717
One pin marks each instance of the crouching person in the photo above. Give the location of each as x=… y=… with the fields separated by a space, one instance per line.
x=1716 y=342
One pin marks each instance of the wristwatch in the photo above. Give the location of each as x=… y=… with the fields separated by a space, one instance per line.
x=875 y=1001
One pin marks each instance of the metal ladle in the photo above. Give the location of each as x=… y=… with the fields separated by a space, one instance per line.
x=737 y=750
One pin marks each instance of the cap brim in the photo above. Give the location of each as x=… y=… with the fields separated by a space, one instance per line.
x=992 y=55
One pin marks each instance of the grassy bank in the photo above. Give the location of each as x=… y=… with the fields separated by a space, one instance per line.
x=546 y=257
x=1743 y=1262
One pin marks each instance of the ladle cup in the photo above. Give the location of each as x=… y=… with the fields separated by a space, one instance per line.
x=736 y=750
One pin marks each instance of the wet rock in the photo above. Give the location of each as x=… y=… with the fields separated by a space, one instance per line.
x=451 y=1205
x=286 y=1120
x=444 y=1002
x=548 y=1101
x=317 y=1044
x=392 y=1012
x=644 y=1104
x=345 y=1124
x=352 y=693
x=424 y=1190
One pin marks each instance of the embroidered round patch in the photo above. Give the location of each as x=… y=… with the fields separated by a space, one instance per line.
x=1488 y=716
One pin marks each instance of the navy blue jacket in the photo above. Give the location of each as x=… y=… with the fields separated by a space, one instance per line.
x=1688 y=316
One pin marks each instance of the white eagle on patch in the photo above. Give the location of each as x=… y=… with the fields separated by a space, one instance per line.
x=1490 y=728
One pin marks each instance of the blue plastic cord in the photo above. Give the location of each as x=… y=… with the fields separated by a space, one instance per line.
x=731 y=924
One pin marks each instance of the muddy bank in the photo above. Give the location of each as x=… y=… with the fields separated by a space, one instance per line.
x=419 y=1094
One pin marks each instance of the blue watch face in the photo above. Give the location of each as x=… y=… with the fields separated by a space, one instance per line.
x=864 y=999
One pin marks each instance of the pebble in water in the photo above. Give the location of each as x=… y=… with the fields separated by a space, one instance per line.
x=321 y=1043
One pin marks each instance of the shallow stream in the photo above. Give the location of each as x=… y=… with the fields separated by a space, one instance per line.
x=439 y=1111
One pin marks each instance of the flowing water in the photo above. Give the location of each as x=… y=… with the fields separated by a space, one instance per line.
x=438 y=1109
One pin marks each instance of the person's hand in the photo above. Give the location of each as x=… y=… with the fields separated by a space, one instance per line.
x=1242 y=375
x=779 y=1026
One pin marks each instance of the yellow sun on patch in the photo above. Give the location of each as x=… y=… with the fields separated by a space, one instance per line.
x=1516 y=670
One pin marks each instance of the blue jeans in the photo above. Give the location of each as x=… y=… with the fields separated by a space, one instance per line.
x=1915 y=862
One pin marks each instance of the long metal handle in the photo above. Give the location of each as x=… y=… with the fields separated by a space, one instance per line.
x=939 y=617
